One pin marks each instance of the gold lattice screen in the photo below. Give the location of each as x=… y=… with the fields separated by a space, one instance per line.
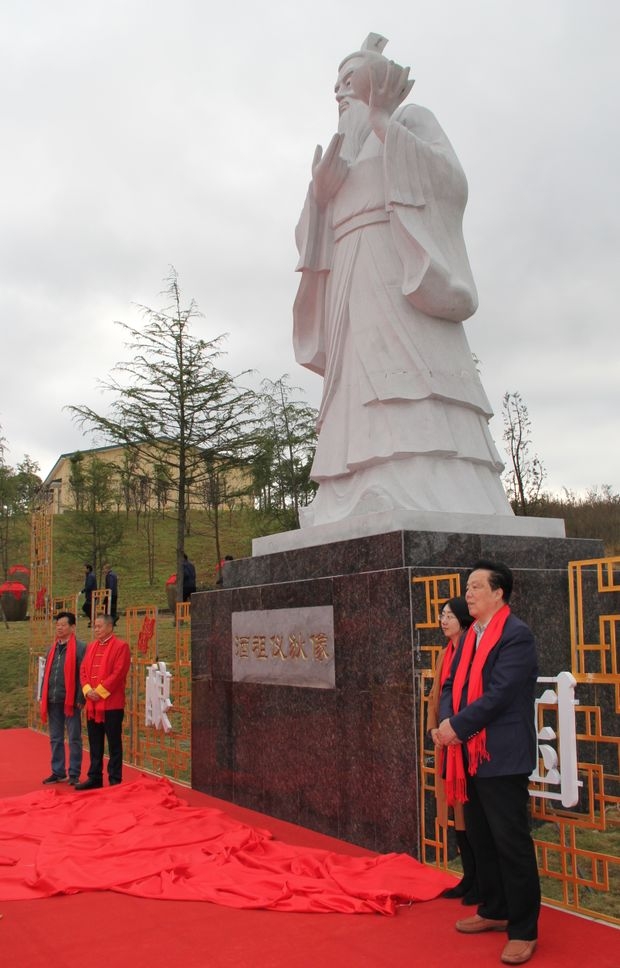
x=41 y=605
x=148 y=748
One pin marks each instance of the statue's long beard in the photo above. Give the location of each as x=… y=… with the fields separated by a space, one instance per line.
x=355 y=126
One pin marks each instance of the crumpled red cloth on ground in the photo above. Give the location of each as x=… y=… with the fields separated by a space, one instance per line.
x=142 y=839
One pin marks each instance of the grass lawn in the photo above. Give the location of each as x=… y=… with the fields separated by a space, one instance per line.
x=130 y=560
x=14 y=646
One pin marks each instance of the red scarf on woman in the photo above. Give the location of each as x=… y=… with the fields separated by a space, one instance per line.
x=444 y=672
x=70 y=663
x=456 y=784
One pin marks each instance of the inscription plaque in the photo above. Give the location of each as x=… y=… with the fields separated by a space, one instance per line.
x=285 y=646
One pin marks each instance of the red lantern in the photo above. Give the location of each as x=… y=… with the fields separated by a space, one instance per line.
x=14 y=599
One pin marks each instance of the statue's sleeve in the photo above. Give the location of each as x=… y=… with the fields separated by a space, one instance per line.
x=426 y=193
x=314 y=237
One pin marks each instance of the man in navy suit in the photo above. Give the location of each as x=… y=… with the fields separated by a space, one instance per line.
x=487 y=726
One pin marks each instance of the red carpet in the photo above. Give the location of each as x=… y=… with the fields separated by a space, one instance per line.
x=135 y=931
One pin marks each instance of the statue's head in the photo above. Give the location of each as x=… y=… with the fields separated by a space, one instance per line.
x=353 y=81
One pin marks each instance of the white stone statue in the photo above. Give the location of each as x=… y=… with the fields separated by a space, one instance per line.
x=385 y=286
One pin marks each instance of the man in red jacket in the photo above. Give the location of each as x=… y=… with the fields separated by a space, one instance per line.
x=103 y=675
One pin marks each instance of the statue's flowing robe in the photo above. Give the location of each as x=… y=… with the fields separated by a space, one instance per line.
x=385 y=285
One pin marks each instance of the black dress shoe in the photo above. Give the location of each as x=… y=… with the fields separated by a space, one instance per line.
x=89 y=785
x=54 y=779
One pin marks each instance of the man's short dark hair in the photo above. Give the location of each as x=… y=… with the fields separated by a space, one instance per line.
x=70 y=617
x=500 y=576
x=88 y=567
x=107 y=618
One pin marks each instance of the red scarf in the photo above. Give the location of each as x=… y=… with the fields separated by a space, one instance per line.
x=96 y=710
x=444 y=672
x=70 y=664
x=456 y=784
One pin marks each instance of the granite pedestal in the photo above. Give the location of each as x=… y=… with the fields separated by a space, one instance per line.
x=345 y=760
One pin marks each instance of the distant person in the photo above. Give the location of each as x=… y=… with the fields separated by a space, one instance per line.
x=189 y=579
x=219 y=569
x=103 y=677
x=487 y=724
x=455 y=620
x=110 y=582
x=62 y=700
x=90 y=585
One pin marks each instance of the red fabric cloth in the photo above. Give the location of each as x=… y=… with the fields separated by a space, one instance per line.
x=106 y=664
x=456 y=786
x=142 y=839
x=146 y=634
x=69 y=670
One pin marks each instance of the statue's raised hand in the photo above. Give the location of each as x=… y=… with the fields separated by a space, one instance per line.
x=389 y=86
x=329 y=171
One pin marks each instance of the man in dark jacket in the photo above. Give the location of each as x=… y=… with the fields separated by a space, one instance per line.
x=189 y=578
x=90 y=585
x=110 y=581
x=62 y=699
x=487 y=726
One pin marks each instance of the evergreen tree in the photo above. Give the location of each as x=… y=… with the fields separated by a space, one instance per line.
x=285 y=445
x=173 y=403
x=97 y=528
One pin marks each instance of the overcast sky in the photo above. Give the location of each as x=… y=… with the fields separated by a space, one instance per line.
x=143 y=133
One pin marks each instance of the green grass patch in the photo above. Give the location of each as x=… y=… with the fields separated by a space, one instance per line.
x=14 y=649
x=130 y=559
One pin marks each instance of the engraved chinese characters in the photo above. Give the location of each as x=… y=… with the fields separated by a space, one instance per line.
x=288 y=646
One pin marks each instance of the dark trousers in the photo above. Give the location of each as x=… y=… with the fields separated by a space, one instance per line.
x=112 y=730
x=497 y=823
